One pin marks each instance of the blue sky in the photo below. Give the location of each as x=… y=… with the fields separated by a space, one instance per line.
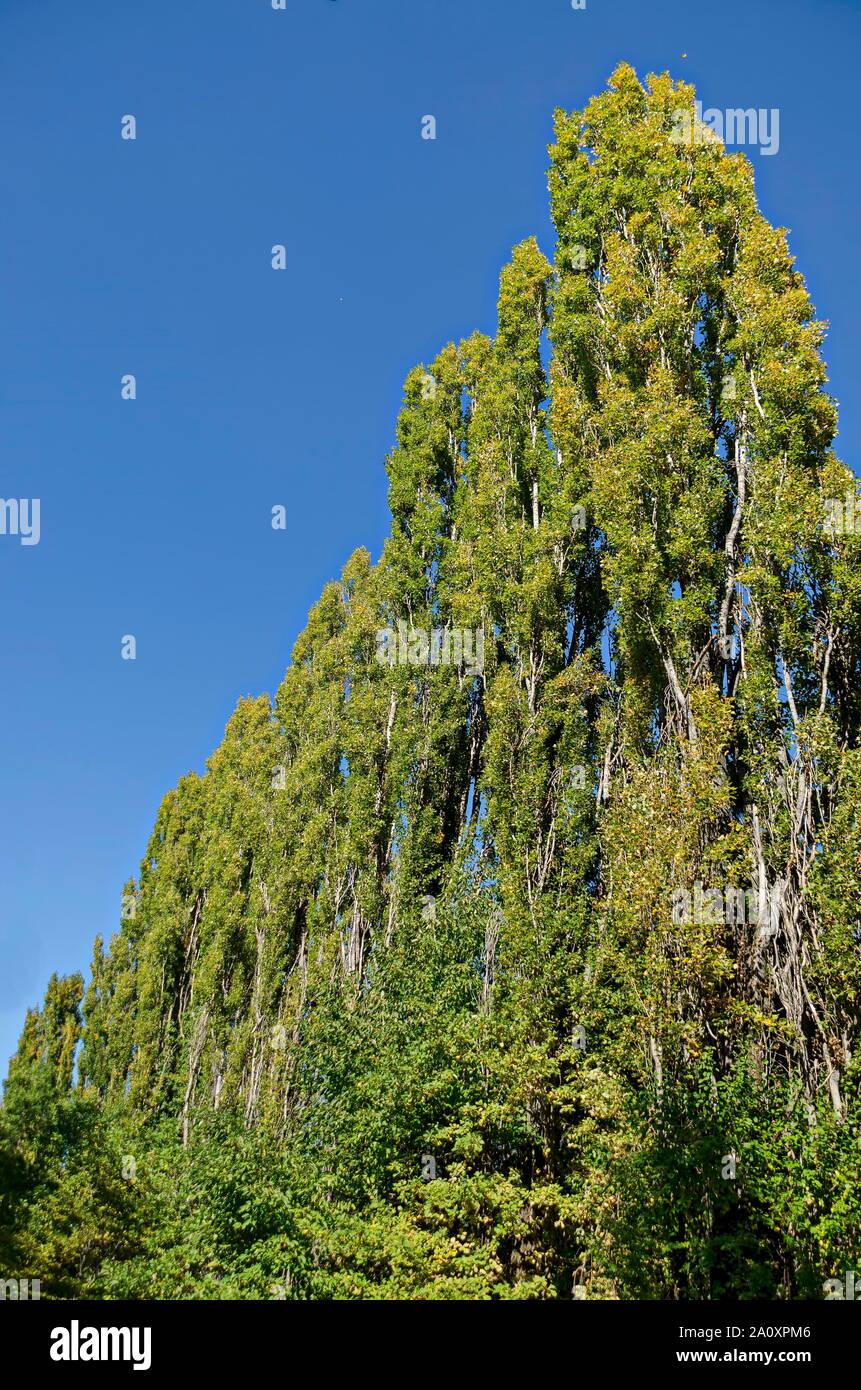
x=257 y=387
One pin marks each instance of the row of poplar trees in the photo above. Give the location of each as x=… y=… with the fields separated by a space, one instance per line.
x=402 y=1005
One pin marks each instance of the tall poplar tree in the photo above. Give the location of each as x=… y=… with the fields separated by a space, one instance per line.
x=532 y=974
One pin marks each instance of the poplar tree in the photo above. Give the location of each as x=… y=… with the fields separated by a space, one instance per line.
x=402 y=1003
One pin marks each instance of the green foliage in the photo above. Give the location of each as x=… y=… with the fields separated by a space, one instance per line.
x=401 y=1005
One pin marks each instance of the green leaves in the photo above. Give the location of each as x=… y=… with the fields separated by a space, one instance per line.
x=422 y=908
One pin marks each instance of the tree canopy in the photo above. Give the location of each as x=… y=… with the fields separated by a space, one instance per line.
x=532 y=976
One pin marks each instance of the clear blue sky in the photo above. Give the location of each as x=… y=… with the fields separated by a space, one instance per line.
x=152 y=257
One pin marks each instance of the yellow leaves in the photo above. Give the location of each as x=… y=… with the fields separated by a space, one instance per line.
x=756 y=1018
